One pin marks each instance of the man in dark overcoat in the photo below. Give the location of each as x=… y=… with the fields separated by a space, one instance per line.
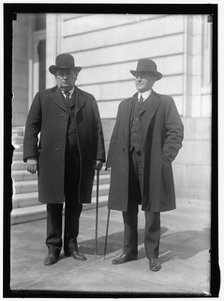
x=146 y=138
x=70 y=147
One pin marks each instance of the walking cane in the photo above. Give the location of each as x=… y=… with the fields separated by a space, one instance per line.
x=97 y=201
x=105 y=246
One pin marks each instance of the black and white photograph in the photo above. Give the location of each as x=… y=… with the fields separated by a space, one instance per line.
x=111 y=136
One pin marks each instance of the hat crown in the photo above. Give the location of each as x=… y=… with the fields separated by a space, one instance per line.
x=146 y=65
x=64 y=60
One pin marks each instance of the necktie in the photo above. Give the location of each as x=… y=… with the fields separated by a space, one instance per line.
x=67 y=93
x=141 y=100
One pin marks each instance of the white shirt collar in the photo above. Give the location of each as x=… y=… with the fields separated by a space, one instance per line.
x=70 y=92
x=145 y=94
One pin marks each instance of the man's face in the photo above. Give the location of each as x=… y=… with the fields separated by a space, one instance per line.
x=66 y=79
x=144 y=81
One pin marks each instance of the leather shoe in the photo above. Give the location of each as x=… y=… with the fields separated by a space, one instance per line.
x=124 y=258
x=51 y=259
x=78 y=255
x=154 y=264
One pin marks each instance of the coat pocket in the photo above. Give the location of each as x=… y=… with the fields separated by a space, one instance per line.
x=165 y=159
x=167 y=175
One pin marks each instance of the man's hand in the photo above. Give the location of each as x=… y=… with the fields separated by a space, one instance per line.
x=97 y=165
x=31 y=165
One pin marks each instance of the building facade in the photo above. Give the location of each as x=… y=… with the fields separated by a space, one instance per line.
x=108 y=47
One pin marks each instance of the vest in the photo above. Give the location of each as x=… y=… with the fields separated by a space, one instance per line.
x=137 y=126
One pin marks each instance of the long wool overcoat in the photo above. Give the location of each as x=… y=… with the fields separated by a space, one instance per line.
x=163 y=137
x=49 y=117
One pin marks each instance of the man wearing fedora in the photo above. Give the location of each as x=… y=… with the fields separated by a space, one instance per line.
x=69 y=148
x=146 y=138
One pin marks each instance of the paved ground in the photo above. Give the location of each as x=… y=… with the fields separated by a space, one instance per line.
x=184 y=253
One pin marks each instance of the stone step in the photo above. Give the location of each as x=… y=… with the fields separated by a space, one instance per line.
x=18 y=165
x=18 y=140
x=17 y=147
x=23 y=175
x=25 y=200
x=17 y=155
x=22 y=215
x=25 y=186
x=31 y=213
x=18 y=131
x=31 y=198
x=31 y=186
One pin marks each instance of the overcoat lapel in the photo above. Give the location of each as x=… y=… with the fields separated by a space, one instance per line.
x=127 y=114
x=79 y=100
x=151 y=107
x=57 y=96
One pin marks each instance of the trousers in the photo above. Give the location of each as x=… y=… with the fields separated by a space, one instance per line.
x=130 y=217
x=72 y=208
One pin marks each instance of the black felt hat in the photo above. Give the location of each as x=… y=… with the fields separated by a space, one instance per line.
x=64 y=61
x=147 y=66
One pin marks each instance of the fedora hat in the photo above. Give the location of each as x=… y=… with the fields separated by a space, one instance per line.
x=147 y=66
x=64 y=61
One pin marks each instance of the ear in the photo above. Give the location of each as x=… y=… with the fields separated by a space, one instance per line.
x=56 y=73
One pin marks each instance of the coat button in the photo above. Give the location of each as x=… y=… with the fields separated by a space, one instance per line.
x=57 y=148
x=62 y=114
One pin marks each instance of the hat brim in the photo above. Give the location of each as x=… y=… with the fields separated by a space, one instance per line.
x=157 y=74
x=54 y=68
